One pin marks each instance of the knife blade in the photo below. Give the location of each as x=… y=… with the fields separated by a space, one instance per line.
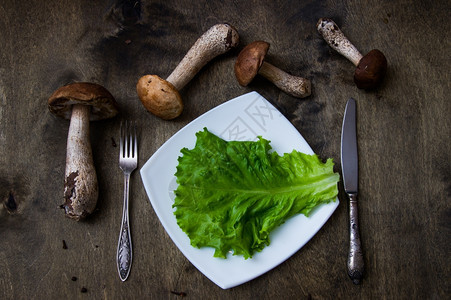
x=350 y=172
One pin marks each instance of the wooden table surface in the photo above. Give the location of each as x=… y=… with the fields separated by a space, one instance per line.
x=403 y=135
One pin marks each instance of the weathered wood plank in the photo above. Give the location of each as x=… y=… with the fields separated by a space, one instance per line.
x=403 y=129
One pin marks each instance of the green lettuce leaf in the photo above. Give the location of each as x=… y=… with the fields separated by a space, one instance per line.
x=231 y=195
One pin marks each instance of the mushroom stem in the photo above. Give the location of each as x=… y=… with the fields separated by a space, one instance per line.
x=295 y=86
x=80 y=185
x=217 y=40
x=337 y=40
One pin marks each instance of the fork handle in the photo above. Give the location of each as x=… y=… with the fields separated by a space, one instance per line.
x=124 y=246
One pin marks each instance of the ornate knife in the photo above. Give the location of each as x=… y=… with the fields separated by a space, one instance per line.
x=349 y=164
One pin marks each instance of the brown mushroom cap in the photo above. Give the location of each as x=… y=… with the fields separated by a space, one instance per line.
x=103 y=105
x=371 y=70
x=159 y=97
x=249 y=61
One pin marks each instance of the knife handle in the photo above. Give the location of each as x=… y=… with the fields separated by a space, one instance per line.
x=355 y=256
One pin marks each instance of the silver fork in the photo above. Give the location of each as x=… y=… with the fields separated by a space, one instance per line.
x=128 y=161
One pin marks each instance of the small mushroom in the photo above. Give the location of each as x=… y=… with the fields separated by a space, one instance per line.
x=370 y=69
x=161 y=97
x=250 y=62
x=80 y=103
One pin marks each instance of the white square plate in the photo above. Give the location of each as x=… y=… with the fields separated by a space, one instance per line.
x=242 y=118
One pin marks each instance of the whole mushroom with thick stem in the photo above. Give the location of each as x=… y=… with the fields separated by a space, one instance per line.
x=250 y=62
x=81 y=103
x=370 y=69
x=161 y=97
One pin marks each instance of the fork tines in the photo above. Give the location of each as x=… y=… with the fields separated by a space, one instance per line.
x=128 y=140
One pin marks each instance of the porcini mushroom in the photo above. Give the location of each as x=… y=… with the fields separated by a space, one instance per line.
x=81 y=102
x=371 y=68
x=161 y=97
x=250 y=62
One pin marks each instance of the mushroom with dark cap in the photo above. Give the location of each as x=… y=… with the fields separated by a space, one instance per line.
x=371 y=68
x=81 y=102
x=161 y=97
x=250 y=62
